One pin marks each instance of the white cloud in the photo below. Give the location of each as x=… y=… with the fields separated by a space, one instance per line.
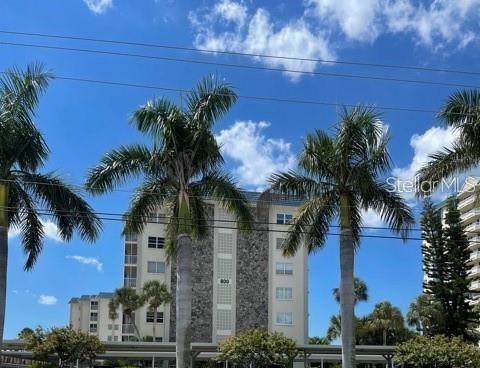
x=47 y=299
x=99 y=6
x=49 y=228
x=433 y=140
x=371 y=219
x=256 y=156
x=358 y=20
x=257 y=33
x=88 y=261
x=324 y=26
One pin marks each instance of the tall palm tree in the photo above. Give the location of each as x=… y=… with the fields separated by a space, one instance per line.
x=386 y=318
x=339 y=176
x=360 y=291
x=461 y=112
x=112 y=314
x=25 y=193
x=156 y=294
x=181 y=169
x=130 y=301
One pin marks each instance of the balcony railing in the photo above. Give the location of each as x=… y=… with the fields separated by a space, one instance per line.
x=128 y=329
x=475 y=270
x=130 y=259
x=129 y=282
x=475 y=285
x=472 y=227
x=469 y=214
x=474 y=256
x=466 y=202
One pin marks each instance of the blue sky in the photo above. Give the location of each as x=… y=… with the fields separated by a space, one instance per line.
x=83 y=121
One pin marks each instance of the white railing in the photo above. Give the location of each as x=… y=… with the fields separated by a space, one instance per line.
x=130 y=259
x=474 y=270
x=129 y=282
x=472 y=227
x=474 y=256
x=466 y=202
x=475 y=285
x=469 y=214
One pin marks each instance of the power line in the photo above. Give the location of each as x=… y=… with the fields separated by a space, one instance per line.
x=250 y=97
x=235 y=53
x=247 y=67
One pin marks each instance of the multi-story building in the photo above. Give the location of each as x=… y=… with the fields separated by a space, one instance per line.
x=240 y=280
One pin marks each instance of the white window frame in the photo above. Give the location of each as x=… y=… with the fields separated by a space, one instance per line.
x=284 y=268
x=284 y=293
x=284 y=318
x=155 y=242
x=159 y=267
x=284 y=218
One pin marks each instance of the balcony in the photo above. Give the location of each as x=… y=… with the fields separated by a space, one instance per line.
x=128 y=329
x=472 y=228
x=129 y=282
x=475 y=270
x=475 y=256
x=470 y=214
x=475 y=285
x=131 y=259
x=465 y=202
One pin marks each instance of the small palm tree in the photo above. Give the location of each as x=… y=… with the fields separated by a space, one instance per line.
x=130 y=301
x=112 y=314
x=426 y=315
x=156 y=294
x=334 y=330
x=360 y=291
x=181 y=168
x=461 y=111
x=24 y=190
x=339 y=176
x=386 y=318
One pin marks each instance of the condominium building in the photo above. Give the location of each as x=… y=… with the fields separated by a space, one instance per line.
x=240 y=280
x=469 y=208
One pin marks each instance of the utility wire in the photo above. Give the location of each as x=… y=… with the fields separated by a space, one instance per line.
x=234 y=53
x=245 y=66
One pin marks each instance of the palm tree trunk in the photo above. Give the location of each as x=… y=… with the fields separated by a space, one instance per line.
x=3 y=255
x=347 y=286
x=384 y=337
x=154 y=329
x=184 y=301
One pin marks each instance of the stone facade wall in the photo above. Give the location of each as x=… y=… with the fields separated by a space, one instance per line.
x=202 y=280
x=252 y=276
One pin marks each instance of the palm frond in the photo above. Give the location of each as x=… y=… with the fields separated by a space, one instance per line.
x=70 y=210
x=209 y=101
x=222 y=188
x=117 y=166
x=291 y=184
x=461 y=108
x=319 y=156
x=310 y=225
x=444 y=164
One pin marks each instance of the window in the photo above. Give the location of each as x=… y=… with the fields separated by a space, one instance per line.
x=284 y=268
x=93 y=327
x=93 y=316
x=155 y=267
x=279 y=242
x=284 y=293
x=115 y=327
x=283 y=218
x=150 y=317
x=131 y=237
x=284 y=318
x=157 y=218
x=94 y=304
x=109 y=338
x=156 y=242
x=158 y=339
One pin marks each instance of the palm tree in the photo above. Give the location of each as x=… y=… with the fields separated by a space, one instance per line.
x=386 y=318
x=334 y=330
x=461 y=112
x=112 y=314
x=339 y=176
x=130 y=301
x=25 y=193
x=180 y=169
x=156 y=294
x=360 y=291
x=426 y=315
x=317 y=340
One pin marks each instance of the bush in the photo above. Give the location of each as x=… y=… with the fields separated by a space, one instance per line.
x=256 y=348
x=437 y=352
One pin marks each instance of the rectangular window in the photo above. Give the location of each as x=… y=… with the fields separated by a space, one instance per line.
x=94 y=304
x=284 y=293
x=284 y=318
x=150 y=317
x=93 y=327
x=156 y=242
x=93 y=316
x=155 y=267
x=283 y=218
x=284 y=268
x=109 y=338
x=279 y=243
x=131 y=237
x=158 y=339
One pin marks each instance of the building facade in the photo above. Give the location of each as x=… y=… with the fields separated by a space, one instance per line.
x=240 y=280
